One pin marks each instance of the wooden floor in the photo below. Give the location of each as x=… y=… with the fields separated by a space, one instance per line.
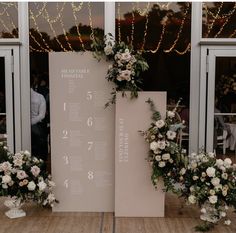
x=38 y=220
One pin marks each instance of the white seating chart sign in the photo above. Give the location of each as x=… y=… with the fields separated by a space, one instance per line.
x=135 y=195
x=82 y=132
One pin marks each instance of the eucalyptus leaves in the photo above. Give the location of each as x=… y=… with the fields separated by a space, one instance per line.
x=125 y=69
x=200 y=179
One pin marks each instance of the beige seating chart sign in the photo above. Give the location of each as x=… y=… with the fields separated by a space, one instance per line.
x=82 y=133
x=134 y=194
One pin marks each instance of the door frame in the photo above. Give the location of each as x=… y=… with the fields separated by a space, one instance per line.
x=207 y=91
x=12 y=98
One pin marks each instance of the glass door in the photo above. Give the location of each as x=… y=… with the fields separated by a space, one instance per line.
x=221 y=102
x=6 y=99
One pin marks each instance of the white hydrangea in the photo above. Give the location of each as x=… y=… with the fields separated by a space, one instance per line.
x=210 y=171
x=31 y=186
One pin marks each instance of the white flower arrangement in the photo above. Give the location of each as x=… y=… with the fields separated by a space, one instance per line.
x=126 y=67
x=201 y=179
x=21 y=177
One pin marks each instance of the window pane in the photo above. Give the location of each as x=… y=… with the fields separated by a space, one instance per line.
x=218 y=20
x=8 y=20
x=163 y=31
x=64 y=26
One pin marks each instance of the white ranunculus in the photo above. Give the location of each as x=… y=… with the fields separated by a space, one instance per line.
x=215 y=181
x=6 y=179
x=182 y=171
x=227 y=162
x=222 y=214
x=219 y=162
x=21 y=174
x=162 y=164
x=35 y=170
x=108 y=50
x=171 y=114
x=171 y=134
x=166 y=156
x=31 y=186
x=213 y=199
x=160 y=124
x=192 y=199
x=227 y=222
x=203 y=174
x=158 y=158
x=161 y=145
x=212 y=192
x=153 y=146
x=224 y=176
x=42 y=185
x=210 y=171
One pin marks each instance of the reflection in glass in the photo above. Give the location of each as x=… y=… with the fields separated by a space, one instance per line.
x=2 y=101
x=225 y=104
x=8 y=20
x=162 y=30
x=218 y=19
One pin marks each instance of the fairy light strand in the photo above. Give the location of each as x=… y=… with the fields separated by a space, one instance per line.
x=185 y=51
x=132 y=26
x=63 y=28
x=180 y=31
x=74 y=10
x=91 y=22
x=119 y=19
x=145 y=31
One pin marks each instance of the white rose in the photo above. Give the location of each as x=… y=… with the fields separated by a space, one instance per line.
x=162 y=164
x=42 y=185
x=192 y=199
x=5 y=166
x=31 y=186
x=222 y=168
x=21 y=174
x=166 y=156
x=182 y=171
x=170 y=114
x=227 y=222
x=171 y=134
x=203 y=210
x=35 y=170
x=18 y=162
x=219 y=162
x=227 y=162
x=213 y=199
x=153 y=146
x=161 y=145
x=211 y=154
x=6 y=179
x=195 y=177
x=215 y=181
x=125 y=57
x=193 y=165
x=211 y=171
x=158 y=158
x=160 y=124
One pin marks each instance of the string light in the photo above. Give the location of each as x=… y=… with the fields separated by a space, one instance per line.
x=145 y=11
x=40 y=11
x=226 y=21
x=6 y=27
x=42 y=49
x=214 y=19
x=40 y=34
x=119 y=19
x=145 y=32
x=185 y=51
x=74 y=10
x=91 y=22
x=63 y=28
x=132 y=26
x=180 y=31
x=53 y=30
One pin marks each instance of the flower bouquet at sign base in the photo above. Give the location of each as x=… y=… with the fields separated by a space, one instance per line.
x=125 y=68
x=23 y=180
x=200 y=178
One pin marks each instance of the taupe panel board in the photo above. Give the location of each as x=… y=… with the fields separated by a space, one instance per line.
x=135 y=195
x=82 y=132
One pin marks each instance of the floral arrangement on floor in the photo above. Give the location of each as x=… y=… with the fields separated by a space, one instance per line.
x=126 y=67
x=22 y=178
x=200 y=179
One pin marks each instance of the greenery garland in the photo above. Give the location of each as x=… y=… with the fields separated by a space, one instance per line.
x=126 y=68
x=200 y=179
